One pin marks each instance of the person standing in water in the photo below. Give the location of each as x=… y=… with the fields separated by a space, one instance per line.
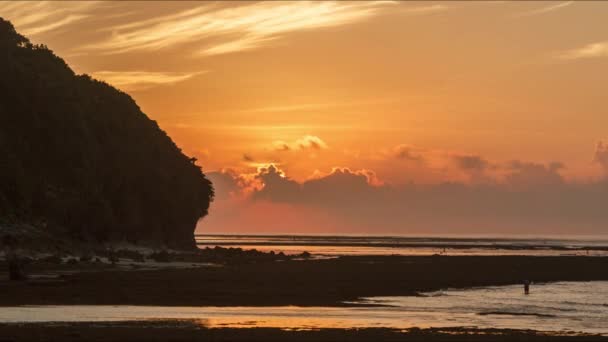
x=526 y=286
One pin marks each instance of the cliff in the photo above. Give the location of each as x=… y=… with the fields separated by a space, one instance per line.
x=78 y=157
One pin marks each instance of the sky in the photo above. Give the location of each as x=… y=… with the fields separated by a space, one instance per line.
x=413 y=118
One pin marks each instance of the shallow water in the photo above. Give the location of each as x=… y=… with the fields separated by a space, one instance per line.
x=331 y=246
x=562 y=306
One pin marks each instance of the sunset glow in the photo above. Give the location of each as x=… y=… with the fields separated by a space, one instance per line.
x=363 y=117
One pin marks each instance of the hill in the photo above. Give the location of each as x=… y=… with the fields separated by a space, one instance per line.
x=80 y=159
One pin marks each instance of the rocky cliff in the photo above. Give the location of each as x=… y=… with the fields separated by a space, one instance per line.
x=78 y=157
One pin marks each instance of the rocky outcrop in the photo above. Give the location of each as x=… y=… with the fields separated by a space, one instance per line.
x=78 y=157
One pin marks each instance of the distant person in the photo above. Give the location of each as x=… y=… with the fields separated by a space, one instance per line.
x=526 y=286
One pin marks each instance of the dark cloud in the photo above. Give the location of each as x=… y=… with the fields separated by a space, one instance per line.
x=225 y=183
x=534 y=198
x=533 y=175
x=521 y=197
x=406 y=152
x=275 y=185
x=471 y=163
x=281 y=146
x=248 y=157
x=340 y=183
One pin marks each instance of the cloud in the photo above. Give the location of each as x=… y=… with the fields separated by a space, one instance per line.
x=314 y=106
x=280 y=145
x=593 y=50
x=307 y=142
x=214 y=29
x=533 y=199
x=547 y=9
x=361 y=176
x=471 y=162
x=248 y=158
x=601 y=155
x=209 y=28
x=516 y=197
x=36 y=17
x=339 y=183
x=142 y=80
x=407 y=152
x=225 y=183
x=311 y=142
x=533 y=175
x=232 y=185
x=425 y=9
x=275 y=186
x=270 y=182
x=294 y=107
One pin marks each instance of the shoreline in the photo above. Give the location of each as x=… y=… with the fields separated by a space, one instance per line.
x=260 y=281
x=226 y=244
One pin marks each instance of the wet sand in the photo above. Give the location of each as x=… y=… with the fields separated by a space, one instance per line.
x=195 y=331
x=290 y=282
x=269 y=282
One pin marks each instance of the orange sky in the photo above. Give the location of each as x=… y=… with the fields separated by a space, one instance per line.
x=401 y=92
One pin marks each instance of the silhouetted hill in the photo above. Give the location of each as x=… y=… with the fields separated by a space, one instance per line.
x=78 y=156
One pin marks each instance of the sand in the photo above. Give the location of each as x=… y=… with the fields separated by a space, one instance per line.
x=191 y=331
x=267 y=282
x=290 y=282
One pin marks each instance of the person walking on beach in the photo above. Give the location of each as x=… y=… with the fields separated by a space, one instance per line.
x=526 y=286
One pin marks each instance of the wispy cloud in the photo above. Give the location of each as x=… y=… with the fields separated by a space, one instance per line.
x=314 y=106
x=32 y=18
x=142 y=80
x=546 y=9
x=289 y=108
x=215 y=30
x=206 y=29
x=599 y=49
x=307 y=142
x=425 y=9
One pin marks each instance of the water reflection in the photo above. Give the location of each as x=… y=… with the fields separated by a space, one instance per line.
x=369 y=245
x=563 y=306
x=334 y=251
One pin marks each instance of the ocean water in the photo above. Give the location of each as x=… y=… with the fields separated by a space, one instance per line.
x=331 y=246
x=555 y=307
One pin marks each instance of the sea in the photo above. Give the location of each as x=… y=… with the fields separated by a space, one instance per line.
x=324 y=246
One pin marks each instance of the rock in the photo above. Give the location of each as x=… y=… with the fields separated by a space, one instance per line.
x=81 y=158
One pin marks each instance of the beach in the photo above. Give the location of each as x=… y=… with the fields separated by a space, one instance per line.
x=192 y=331
x=237 y=294
x=325 y=282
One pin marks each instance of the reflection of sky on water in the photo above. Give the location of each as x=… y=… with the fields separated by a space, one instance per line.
x=369 y=245
x=562 y=306
x=358 y=250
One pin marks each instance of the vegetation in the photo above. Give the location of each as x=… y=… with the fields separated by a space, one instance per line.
x=78 y=156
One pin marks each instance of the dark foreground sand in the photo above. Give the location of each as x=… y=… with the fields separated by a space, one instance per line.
x=292 y=282
x=191 y=331
x=272 y=282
